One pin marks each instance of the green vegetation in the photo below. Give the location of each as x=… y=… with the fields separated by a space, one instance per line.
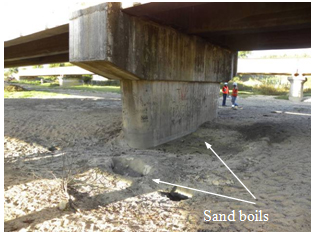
x=37 y=90
x=38 y=66
x=243 y=54
x=87 y=78
x=277 y=86
x=115 y=89
x=282 y=97
x=13 y=88
x=262 y=89
x=9 y=72
x=267 y=89
x=308 y=84
x=60 y=65
x=304 y=55
x=37 y=84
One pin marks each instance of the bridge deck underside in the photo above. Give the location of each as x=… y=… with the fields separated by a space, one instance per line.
x=48 y=46
x=235 y=26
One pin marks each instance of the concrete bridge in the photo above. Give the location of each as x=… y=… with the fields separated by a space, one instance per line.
x=55 y=71
x=60 y=72
x=279 y=66
x=169 y=57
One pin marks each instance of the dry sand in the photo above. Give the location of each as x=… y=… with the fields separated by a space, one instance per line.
x=111 y=185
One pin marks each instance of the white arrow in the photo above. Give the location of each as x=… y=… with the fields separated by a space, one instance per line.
x=208 y=146
x=158 y=181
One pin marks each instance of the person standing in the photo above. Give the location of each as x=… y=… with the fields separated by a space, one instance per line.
x=225 y=91
x=234 y=94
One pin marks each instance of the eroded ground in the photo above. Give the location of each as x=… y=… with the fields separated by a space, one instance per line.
x=111 y=187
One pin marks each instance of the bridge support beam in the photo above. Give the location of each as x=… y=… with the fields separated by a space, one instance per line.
x=296 y=89
x=169 y=80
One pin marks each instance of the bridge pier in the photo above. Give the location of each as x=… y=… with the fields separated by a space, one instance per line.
x=169 y=80
x=155 y=112
x=296 y=89
x=63 y=81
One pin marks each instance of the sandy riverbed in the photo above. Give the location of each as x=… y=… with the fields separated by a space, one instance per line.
x=111 y=185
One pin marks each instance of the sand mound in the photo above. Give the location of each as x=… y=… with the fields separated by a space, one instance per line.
x=276 y=133
x=13 y=88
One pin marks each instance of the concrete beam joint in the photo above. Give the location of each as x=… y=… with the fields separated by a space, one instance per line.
x=103 y=37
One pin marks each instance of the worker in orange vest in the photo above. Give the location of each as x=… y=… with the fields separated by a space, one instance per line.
x=225 y=91
x=234 y=94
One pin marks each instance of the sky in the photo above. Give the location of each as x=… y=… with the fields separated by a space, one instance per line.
x=28 y=16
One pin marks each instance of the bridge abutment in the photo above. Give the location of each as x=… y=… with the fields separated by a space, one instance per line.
x=169 y=80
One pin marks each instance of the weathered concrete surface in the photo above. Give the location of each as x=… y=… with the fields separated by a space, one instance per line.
x=155 y=112
x=296 y=89
x=169 y=80
x=115 y=45
x=236 y=25
x=49 y=46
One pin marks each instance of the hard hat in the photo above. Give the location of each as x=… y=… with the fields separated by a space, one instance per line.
x=225 y=83
x=235 y=84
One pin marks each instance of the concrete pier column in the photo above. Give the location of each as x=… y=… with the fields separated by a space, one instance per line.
x=155 y=112
x=61 y=80
x=296 y=89
x=169 y=80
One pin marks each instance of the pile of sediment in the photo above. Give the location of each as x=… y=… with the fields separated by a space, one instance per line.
x=13 y=88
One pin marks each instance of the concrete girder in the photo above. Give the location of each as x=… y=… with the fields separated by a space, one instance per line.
x=226 y=16
x=224 y=22
x=48 y=46
x=58 y=30
x=298 y=38
x=53 y=45
x=58 y=58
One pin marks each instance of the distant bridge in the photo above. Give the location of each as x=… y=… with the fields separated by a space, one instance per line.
x=280 y=66
x=55 y=71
